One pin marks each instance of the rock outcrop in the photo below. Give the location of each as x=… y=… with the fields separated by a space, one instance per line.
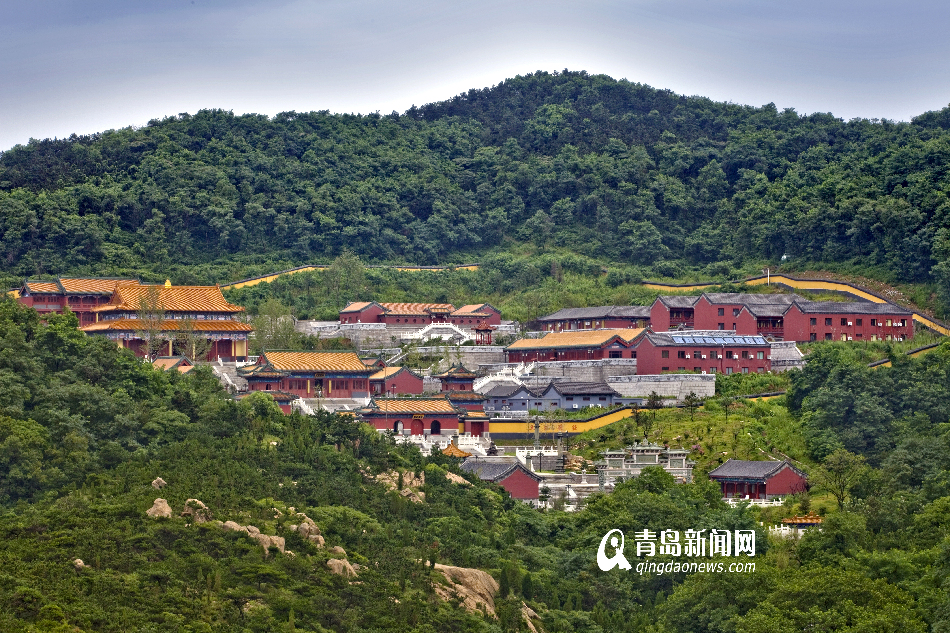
x=79 y=565
x=160 y=510
x=265 y=540
x=341 y=567
x=475 y=587
x=158 y=483
x=457 y=479
x=197 y=511
x=308 y=530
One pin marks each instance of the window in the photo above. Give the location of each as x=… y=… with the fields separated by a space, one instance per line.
x=827 y=336
x=537 y=404
x=729 y=354
x=665 y=353
x=603 y=398
x=728 y=371
x=745 y=370
x=586 y=398
x=570 y=399
x=745 y=354
x=813 y=321
x=680 y=369
x=614 y=354
x=697 y=354
x=903 y=322
x=733 y=327
x=812 y=337
x=873 y=322
x=735 y=312
x=722 y=326
x=844 y=320
x=888 y=323
x=844 y=337
x=714 y=354
x=828 y=321
x=721 y=312
x=681 y=354
x=712 y=370
x=859 y=322
x=760 y=355
x=759 y=370
x=665 y=369
x=697 y=369
x=633 y=354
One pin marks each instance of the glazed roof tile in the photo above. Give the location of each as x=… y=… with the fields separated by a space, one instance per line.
x=168 y=325
x=43 y=286
x=315 y=361
x=181 y=363
x=94 y=285
x=418 y=309
x=412 y=405
x=170 y=299
x=457 y=371
x=576 y=338
x=475 y=309
x=390 y=372
x=356 y=306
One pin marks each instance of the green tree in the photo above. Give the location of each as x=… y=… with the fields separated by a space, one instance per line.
x=839 y=474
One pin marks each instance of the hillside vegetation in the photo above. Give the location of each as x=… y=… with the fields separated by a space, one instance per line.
x=613 y=170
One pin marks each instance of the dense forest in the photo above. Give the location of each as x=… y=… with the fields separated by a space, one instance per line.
x=613 y=170
x=85 y=427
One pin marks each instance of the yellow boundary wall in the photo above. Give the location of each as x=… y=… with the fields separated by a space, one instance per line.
x=524 y=427
x=305 y=269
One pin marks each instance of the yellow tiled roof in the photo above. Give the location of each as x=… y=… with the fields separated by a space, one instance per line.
x=356 y=306
x=385 y=373
x=43 y=286
x=316 y=361
x=171 y=298
x=454 y=451
x=180 y=363
x=416 y=308
x=580 y=338
x=414 y=405
x=168 y=325
x=81 y=285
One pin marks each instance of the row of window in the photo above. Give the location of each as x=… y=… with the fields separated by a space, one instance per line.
x=735 y=312
x=860 y=322
x=714 y=354
x=844 y=337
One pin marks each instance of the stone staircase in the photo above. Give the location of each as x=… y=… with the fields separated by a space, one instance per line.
x=228 y=376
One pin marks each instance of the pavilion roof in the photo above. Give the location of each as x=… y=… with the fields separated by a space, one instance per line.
x=411 y=405
x=170 y=298
x=457 y=371
x=314 y=361
x=454 y=451
x=168 y=325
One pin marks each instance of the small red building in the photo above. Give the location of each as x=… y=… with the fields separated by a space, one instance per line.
x=393 y=381
x=419 y=314
x=467 y=400
x=420 y=416
x=310 y=374
x=457 y=378
x=759 y=480
x=575 y=345
x=702 y=352
x=483 y=333
x=595 y=318
x=507 y=472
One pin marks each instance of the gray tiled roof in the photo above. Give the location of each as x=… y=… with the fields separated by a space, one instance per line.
x=850 y=307
x=678 y=302
x=744 y=298
x=584 y=388
x=739 y=469
x=494 y=468
x=505 y=391
x=598 y=312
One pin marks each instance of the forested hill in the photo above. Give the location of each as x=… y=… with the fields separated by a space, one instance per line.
x=615 y=170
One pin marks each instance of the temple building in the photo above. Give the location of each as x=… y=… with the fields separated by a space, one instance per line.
x=457 y=378
x=80 y=294
x=395 y=381
x=759 y=480
x=414 y=416
x=310 y=374
x=194 y=316
x=575 y=345
x=419 y=314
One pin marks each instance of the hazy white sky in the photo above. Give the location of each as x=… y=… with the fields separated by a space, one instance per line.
x=86 y=66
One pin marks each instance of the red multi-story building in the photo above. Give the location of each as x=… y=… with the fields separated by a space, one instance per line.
x=744 y=313
x=310 y=374
x=671 y=313
x=786 y=317
x=394 y=381
x=851 y=321
x=595 y=318
x=702 y=352
x=420 y=314
x=135 y=311
x=80 y=294
x=575 y=345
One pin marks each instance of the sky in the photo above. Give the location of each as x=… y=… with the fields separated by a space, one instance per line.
x=71 y=66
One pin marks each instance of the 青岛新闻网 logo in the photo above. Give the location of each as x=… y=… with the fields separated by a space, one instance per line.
x=692 y=544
